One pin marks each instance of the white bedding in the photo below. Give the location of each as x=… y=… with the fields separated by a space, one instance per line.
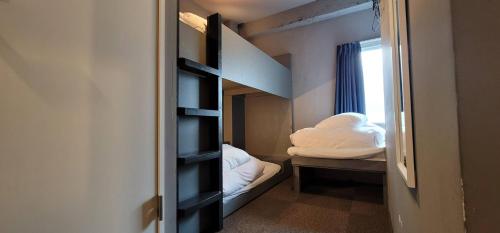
x=343 y=136
x=233 y=157
x=270 y=169
x=375 y=154
x=365 y=136
x=348 y=119
x=241 y=172
x=239 y=177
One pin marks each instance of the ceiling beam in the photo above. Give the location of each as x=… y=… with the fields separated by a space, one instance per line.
x=310 y=13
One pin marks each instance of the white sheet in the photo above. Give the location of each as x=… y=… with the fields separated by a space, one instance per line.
x=270 y=169
x=375 y=154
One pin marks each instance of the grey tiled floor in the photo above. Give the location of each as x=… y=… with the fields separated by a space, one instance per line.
x=339 y=207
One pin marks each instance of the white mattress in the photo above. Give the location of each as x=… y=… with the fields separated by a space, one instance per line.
x=375 y=154
x=270 y=169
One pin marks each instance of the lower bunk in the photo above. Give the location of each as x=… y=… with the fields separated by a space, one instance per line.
x=276 y=169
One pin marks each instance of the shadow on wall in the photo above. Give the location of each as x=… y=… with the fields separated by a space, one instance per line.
x=61 y=84
x=78 y=109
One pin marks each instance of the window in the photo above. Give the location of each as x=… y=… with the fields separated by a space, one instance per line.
x=371 y=56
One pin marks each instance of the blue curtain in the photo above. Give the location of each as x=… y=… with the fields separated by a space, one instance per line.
x=350 y=91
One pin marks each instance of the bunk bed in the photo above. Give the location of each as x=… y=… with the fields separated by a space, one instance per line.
x=241 y=63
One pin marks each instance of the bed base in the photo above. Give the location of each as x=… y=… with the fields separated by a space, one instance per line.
x=286 y=171
x=370 y=166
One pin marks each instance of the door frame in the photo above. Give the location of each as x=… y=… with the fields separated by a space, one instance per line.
x=166 y=117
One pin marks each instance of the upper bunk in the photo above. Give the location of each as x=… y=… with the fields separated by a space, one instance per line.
x=242 y=62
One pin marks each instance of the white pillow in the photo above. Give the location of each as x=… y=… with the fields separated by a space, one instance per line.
x=348 y=119
x=233 y=157
x=251 y=170
x=235 y=179
x=232 y=182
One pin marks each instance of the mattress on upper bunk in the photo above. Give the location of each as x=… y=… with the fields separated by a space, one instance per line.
x=375 y=154
x=270 y=170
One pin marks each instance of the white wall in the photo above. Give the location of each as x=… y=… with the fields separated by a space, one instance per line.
x=77 y=122
x=313 y=50
x=435 y=206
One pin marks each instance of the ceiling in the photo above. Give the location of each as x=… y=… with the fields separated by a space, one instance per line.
x=242 y=11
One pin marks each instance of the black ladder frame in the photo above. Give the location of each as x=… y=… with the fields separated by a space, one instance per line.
x=199 y=138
